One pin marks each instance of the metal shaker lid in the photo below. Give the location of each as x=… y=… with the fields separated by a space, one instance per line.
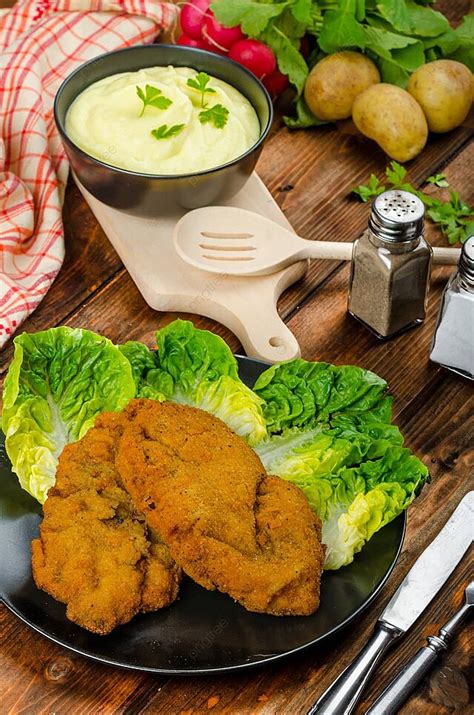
x=397 y=216
x=466 y=261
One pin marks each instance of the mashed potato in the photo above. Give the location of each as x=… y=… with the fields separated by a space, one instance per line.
x=104 y=121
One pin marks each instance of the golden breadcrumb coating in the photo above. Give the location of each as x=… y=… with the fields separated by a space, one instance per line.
x=228 y=524
x=95 y=552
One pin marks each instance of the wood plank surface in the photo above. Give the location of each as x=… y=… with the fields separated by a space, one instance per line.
x=310 y=174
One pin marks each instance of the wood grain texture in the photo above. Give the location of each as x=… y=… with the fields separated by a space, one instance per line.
x=310 y=174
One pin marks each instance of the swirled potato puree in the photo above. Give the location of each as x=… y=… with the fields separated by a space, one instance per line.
x=163 y=120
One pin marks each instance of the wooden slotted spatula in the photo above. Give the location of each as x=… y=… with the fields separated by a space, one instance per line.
x=224 y=239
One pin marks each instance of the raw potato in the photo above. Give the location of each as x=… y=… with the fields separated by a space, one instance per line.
x=390 y=116
x=335 y=82
x=443 y=89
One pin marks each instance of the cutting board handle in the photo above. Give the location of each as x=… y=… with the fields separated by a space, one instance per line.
x=268 y=338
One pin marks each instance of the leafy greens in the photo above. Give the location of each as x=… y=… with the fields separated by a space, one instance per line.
x=333 y=438
x=58 y=382
x=454 y=217
x=200 y=83
x=399 y=35
x=152 y=97
x=196 y=367
x=165 y=132
x=325 y=428
x=300 y=394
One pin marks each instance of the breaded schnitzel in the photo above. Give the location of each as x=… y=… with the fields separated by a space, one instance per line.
x=227 y=523
x=95 y=552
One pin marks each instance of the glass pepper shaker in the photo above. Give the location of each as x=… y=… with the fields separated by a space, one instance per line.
x=453 y=341
x=391 y=266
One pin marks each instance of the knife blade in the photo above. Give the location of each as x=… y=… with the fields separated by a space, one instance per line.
x=431 y=569
x=418 y=588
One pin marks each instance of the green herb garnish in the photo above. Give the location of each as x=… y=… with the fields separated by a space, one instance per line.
x=200 y=83
x=369 y=190
x=438 y=180
x=152 y=97
x=164 y=133
x=454 y=217
x=217 y=114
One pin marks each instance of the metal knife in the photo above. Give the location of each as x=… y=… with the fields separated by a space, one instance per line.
x=400 y=689
x=415 y=592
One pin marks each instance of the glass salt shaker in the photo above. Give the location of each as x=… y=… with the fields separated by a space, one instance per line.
x=453 y=341
x=391 y=266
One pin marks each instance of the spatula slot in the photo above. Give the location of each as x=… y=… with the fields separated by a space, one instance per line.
x=229 y=258
x=214 y=234
x=210 y=247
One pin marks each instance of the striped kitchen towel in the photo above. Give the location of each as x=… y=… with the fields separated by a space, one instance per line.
x=41 y=42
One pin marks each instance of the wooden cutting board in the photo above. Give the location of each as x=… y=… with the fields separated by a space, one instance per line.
x=247 y=306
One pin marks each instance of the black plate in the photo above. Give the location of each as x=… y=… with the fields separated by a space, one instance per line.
x=203 y=631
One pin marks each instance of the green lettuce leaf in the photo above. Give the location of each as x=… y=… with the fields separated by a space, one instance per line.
x=371 y=495
x=355 y=474
x=300 y=394
x=58 y=382
x=144 y=371
x=196 y=367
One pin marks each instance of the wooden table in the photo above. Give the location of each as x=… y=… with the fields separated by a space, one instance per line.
x=310 y=174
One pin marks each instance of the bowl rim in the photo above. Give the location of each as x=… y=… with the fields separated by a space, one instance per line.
x=194 y=51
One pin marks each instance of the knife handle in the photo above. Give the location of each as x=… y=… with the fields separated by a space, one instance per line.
x=400 y=689
x=342 y=696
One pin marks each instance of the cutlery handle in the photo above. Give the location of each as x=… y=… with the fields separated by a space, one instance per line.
x=402 y=686
x=342 y=696
x=335 y=250
x=400 y=689
x=446 y=256
x=340 y=251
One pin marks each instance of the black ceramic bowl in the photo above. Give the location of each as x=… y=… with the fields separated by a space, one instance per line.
x=155 y=194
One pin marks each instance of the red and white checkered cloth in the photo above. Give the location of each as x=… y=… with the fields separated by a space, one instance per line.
x=41 y=42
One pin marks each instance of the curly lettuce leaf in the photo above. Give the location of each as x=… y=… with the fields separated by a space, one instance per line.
x=355 y=474
x=300 y=394
x=58 y=382
x=377 y=492
x=145 y=375
x=196 y=367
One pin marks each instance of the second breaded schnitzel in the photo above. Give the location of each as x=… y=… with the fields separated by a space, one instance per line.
x=95 y=552
x=228 y=524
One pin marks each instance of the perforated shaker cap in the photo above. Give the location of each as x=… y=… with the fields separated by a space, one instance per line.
x=466 y=261
x=397 y=216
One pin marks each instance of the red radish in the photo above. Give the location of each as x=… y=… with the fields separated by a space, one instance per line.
x=254 y=55
x=276 y=82
x=192 y=16
x=217 y=34
x=191 y=42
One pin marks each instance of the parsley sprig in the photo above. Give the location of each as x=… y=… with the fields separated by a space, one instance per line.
x=454 y=217
x=218 y=115
x=163 y=132
x=200 y=83
x=152 y=97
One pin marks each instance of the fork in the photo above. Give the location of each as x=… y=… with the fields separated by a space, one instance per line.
x=393 y=697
